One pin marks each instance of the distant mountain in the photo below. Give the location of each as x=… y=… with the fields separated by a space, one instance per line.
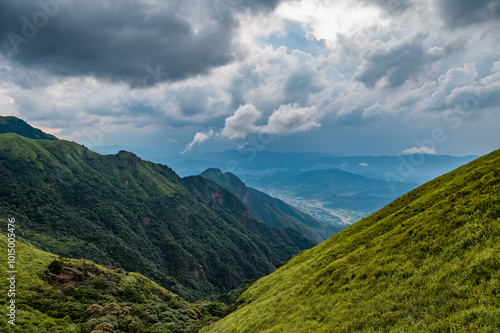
x=429 y=261
x=338 y=189
x=75 y=295
x=18 y=126
x=250 y=164
x=272 y=211
x=190 y=235
x=417 y=168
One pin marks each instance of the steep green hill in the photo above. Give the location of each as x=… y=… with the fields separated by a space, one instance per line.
x=189 y=235
x=270 y=210
x=18 y=126
x=64 y=295
x=429 y=261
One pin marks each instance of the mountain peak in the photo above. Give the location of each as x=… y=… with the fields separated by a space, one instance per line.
x=212 y=171
x=10 y=124
x=270 y=210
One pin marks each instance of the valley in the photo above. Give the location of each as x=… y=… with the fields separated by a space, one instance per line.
x=108 y=243
x=317 y=209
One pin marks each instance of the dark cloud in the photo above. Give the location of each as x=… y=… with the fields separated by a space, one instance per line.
x=122 y=40
x=392 y=7
x=255 y=5
x=458 y=13
x=397 y=64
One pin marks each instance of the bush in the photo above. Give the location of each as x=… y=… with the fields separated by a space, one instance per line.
x=55 y=267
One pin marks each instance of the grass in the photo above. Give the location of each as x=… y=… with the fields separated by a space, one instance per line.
x=427 y=262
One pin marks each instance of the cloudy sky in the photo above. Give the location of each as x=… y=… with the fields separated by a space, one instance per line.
x=358 y=77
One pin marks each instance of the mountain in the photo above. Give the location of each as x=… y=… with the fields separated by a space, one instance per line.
x=272 y=211
x=251 y=164
x=245 y=163
x=188 y=234
x=429 y=261
x=337 y=189
x=16 y=125
x=416 y=168
x=55 y=294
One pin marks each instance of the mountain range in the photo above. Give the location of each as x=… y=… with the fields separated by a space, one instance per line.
x=252 y=164
x=337 y=189
x=115 y=243
x=188 y=234
x=270 y=210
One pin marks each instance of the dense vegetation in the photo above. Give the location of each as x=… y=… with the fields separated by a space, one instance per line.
x=270 y=210
x=16 y=125
x=429 y=261
x=63 y=295
x=189 y=235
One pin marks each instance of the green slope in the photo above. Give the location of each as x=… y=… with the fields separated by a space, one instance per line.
x=18 y=126
x=63 y=295
x=272 y=211
x=428 y=261
x=190 y=235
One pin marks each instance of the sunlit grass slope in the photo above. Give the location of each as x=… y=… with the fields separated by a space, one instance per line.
x=428 y=261
x=84 y=297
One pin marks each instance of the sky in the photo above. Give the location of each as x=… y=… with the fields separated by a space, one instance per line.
x=346 y=77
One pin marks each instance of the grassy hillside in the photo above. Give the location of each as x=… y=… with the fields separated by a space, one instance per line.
x=428 y=261
x=189 y=235
x=18 y=126
x=62 y=295
x=272 y=211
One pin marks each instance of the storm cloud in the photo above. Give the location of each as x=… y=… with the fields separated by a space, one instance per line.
x=331 y=76
x=458 y=13
x=125 y=40
x=396 y=64
x=393 y=7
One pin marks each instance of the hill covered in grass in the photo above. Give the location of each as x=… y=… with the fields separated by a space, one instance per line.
x=270 y=210
x=188 y=234
x=19 y=126
x=429 y=261
x=57 y=294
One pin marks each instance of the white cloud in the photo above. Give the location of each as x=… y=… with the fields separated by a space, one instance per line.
x=327 y=19
x=199 y=138
x=277 y=85
x=291 y=119
x=419 y=150
x=241 y=122
x=287 y=119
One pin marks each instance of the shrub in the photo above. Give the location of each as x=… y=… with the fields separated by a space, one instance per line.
x=55 y=267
